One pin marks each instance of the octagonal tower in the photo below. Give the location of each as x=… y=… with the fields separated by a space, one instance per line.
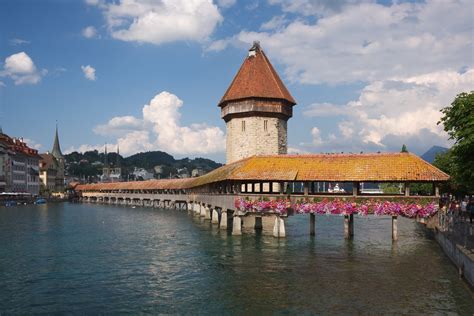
x=256 y=108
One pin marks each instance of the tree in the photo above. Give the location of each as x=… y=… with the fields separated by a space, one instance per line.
x=458 y=122
x=445 y=162
x=404 y=149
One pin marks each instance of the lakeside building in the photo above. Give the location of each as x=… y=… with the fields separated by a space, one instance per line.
x=19 y=166
x=52 y=172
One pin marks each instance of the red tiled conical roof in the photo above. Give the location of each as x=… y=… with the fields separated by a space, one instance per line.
x=256 y=79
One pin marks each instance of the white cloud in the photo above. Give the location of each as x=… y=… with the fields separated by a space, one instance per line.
x=160 y=129
x=159 y=22
x=275 y=23
x=119 y=125
x=323 y=110
x=318 y=8
x=94 y=2
x=316 y=134
x=21 y=69
x=392 y=112
x=296 y=151
x=163 y=113
x=89 y=72
x=18 y=41
x=84 y=148
x=134 y=142
x=2 y=84
x=33 y=144
x=400 y=40
x=226 y=3
x=89 y=32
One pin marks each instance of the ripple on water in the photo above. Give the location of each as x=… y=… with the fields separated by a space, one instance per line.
x=67 y=258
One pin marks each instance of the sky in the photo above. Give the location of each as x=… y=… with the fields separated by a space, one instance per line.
x=148 y=74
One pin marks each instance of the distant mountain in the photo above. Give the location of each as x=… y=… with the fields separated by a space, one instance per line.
x=430 y=155
x=90 y=163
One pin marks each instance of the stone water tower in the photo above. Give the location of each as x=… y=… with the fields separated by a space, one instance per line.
x=256 y=108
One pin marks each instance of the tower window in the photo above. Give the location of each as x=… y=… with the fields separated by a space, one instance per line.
x=265 y=125
x=243 y=126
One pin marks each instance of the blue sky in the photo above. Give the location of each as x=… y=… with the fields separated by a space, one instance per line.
x=147 y=75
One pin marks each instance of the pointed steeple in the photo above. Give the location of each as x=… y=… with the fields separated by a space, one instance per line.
x=256 y=79
x=117 y=163
x=56 y=152
x=106 y=160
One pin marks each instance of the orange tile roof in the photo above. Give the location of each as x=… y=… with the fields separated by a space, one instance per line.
x=138 y=185
x=257 y=78
x=388 y=167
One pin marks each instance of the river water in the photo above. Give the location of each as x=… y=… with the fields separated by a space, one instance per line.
x=83 y=258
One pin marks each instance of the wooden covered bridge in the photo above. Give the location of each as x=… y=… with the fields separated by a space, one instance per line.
x=260 y=192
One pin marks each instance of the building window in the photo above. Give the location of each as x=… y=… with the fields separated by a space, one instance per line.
x=243 y=126
x=265 y=125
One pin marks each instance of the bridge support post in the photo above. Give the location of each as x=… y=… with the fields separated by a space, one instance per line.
x=197 y=209
x=312 y=224
x=268 y=223
x=215 y=216
x=348 y=226
x=279 y=227
x=223 y=223
x=208 y=213
x=237 y=226
x=394 y=228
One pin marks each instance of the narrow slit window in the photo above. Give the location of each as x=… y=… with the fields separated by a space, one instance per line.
x=265 y=125
x=243 y=126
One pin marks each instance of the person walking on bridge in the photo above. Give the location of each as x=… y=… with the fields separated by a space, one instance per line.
x=470 y=209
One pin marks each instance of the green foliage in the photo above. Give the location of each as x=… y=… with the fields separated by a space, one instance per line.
x=458 y=122
x=86 y=164
x=404 y=149
x=390 y=188
x=421 y=188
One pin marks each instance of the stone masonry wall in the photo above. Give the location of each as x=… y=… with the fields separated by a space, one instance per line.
x=255 y=140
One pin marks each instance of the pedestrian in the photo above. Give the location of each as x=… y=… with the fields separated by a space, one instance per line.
x=453 y=208
x=470 y=208
x=464 y=209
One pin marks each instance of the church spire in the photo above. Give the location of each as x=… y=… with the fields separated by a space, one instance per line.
x=56 y=152
x=117 y=163
x=106 y=160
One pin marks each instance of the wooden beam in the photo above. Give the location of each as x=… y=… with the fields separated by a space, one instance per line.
x=355 y=188
x=306 y=188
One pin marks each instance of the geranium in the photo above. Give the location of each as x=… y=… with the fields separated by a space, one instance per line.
x=338 y=206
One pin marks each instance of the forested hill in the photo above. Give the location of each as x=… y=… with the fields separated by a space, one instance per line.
x=90 y=163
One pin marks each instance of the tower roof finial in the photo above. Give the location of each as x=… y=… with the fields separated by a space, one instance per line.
x=255 y=46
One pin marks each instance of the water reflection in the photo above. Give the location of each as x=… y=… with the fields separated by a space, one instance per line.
x=92 y=259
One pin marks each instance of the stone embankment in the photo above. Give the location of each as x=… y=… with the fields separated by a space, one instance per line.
x=455 y=235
